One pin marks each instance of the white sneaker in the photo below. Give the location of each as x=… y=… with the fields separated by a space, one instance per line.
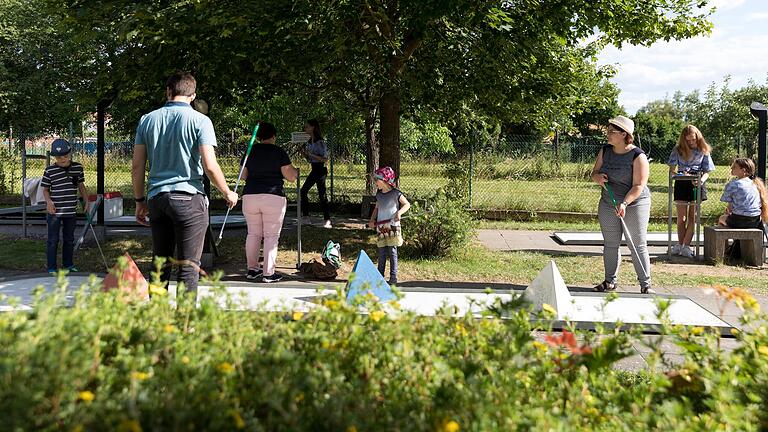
x=676 y=249
x=686 y=251
x=327 y=224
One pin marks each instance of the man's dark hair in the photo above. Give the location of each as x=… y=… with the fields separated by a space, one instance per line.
x=266 y=131
x=181 y=84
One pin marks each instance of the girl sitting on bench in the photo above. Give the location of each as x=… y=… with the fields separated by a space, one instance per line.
x=746 y=197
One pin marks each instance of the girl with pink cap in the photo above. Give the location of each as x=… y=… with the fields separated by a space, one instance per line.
x=391 y=204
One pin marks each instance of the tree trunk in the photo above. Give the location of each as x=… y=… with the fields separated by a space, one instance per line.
x=389 y=153
x=371 y=149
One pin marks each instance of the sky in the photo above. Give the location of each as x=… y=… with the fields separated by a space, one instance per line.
x=737 y=46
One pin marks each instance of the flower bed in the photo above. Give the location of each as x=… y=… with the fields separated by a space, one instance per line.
x=108 y=364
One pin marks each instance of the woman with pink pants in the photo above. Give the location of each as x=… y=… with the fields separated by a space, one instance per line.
x=264 y=202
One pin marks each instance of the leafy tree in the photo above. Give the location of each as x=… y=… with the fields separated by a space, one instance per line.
x=658 y=125
x=724 y=118
x=601 y=107
x=389 y=57
x=35 y=57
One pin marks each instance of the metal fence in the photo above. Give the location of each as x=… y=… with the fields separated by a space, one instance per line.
x=521 y=173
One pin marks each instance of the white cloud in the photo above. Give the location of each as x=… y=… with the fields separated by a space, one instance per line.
x=649 y=73
x=757 y=16
x=725 y=5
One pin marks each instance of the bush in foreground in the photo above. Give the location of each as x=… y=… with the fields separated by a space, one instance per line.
x=107 y=364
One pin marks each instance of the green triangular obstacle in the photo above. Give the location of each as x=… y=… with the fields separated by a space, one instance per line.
x=367 y=279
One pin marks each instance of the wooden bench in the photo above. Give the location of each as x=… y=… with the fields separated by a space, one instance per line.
x=750 y=242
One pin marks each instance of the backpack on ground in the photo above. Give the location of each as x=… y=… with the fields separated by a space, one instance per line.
x=317 y=270
x=332 y=254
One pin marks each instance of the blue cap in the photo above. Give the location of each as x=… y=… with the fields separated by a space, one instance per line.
x=60 y=147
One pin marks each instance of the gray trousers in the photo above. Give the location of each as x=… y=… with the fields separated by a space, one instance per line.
x=392 y=252
x=636 y=218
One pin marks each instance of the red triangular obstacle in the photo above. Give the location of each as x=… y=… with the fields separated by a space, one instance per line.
x=131 y=281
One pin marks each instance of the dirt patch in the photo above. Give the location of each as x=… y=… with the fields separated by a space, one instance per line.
x=684 y=266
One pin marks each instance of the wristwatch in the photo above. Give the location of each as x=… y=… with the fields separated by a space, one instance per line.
x=142 y=199
x=624 y=203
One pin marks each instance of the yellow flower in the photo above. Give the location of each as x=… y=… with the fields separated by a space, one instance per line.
x=450 y=426
x=78 y=428
x=86 y=395
x=697 y=331
x=129 y=426
x=185 y=360
x=461 y=329
x=549 y=309
x=331 y=304
x=170 y=328
x=239 y=422
x=157 y=290
x=763 y=350
x=351 y=429
x=226 y=368
x=735 y=331
x=540 y=346
x=299 y=397
x=739 y=296
x=297 y=315
x=139 y=376
x=377 y=315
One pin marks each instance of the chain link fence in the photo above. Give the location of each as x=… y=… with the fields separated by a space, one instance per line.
x=518 y=172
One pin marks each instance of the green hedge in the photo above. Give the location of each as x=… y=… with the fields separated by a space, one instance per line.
x=105 y=364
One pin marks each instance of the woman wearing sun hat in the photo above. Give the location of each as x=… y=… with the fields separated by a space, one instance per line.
x=621 y=169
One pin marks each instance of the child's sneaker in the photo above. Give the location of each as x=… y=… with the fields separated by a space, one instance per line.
x=676 y=249
x=686 y=251
x=73 y=269
x=272 y=278
x=53 y=272
x=254 y=274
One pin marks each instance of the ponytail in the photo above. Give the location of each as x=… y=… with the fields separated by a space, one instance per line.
x=763 y=198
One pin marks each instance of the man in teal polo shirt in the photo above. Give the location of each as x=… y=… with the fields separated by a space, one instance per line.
x=179 y=144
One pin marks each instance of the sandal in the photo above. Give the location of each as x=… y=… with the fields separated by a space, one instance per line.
x=605 y=286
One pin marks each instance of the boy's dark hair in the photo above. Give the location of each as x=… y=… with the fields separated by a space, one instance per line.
x=181 y=84
x=266 y=131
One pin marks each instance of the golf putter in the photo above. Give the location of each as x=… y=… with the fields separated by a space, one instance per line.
x=298 y=218
x=89 y=224
x=626 y=230
x=239 y=176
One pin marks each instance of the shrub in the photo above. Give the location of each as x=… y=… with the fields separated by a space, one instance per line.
x=9 y=163
x=105 y=364
x=457 y=173
x=436 y=227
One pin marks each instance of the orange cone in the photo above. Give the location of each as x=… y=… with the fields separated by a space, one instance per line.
x=131 y=280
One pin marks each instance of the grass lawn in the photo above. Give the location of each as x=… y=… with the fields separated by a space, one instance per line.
x=507 y=184
x=476 y=264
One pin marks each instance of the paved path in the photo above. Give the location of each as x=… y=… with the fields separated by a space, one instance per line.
x=543 y=241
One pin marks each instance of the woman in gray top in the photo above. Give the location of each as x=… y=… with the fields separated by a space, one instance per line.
x=622 y=168
x=316 y=151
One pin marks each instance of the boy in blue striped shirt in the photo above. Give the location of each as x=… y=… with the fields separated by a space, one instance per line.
x=61 y=183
